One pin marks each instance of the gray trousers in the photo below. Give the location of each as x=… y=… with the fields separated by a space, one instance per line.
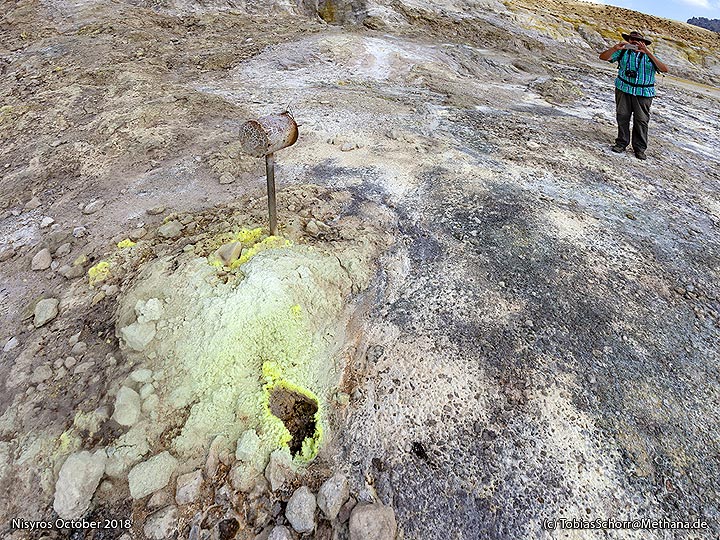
x=627 y=105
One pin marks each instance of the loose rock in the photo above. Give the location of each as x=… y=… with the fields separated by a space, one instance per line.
x=227 y=178
x=279 y=469
x=142 y=375
x=79 y=232
x=41 y=373
x=300 y=511
x=280 y=533
x=45 y=311
x=11 y=344
x=161 y=524
x=79 y=478
x=63 y=249
x=41 y=260
x=372 y=522
x=137 y=234
x=93 y=206
x=127 y=407
x=188 y=487
x=46 y=222
x=171 y=229
x=150 y=310
x=32 y=204
x=6 y=254
x=348 y=147
x=151 y=475
x=229 y=253
x=71 y=272
x=247 y=446
x=155 y=210
x=332 y=495
x=79 y=348
x=138 y=335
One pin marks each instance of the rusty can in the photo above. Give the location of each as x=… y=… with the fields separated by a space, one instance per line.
x=268 y=134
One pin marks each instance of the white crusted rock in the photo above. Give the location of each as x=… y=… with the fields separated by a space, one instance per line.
x=126 y=451
x=247 y=446
x=142 y=375
x=79 y=478
x=149 y=476
x=93 y=206
x=150 y=310
x=127 y=406
x=138 y=335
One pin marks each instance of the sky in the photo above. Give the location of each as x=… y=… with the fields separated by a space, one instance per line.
x=680 y=10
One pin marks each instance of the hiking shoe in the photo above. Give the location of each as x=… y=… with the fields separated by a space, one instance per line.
x=618 y=149
x=640 y=154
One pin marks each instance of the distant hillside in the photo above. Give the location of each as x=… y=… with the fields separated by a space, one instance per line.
x=703 y=22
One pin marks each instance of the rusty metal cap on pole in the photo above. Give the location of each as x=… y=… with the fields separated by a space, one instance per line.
x=268 y=134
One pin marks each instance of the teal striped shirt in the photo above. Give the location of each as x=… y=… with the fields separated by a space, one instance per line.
x=642 y=85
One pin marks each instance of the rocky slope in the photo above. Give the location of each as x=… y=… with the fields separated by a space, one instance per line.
x=481 y=318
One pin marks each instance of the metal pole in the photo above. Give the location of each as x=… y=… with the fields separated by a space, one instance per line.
x=270 y=172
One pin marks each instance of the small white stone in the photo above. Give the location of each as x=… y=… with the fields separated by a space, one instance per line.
x=146 y=391
x=127 y=407
x=151 y=475
x=300 y=510
x=138 y=335
x=78 y=480
x=142 y=375
x=11 y=344
x=151 y=403
x=279 y=469
x=32 y=204
x=280 y=532
x=247 y=446
x=332 y=495
x=46 y=222
x=348 y=147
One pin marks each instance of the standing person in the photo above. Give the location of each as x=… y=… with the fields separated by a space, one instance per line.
x=634 y=89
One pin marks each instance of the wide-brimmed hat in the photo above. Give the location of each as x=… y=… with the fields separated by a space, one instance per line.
x=636 y=35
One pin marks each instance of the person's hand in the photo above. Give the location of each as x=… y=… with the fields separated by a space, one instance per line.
x=619 y=46
x=642 y=47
